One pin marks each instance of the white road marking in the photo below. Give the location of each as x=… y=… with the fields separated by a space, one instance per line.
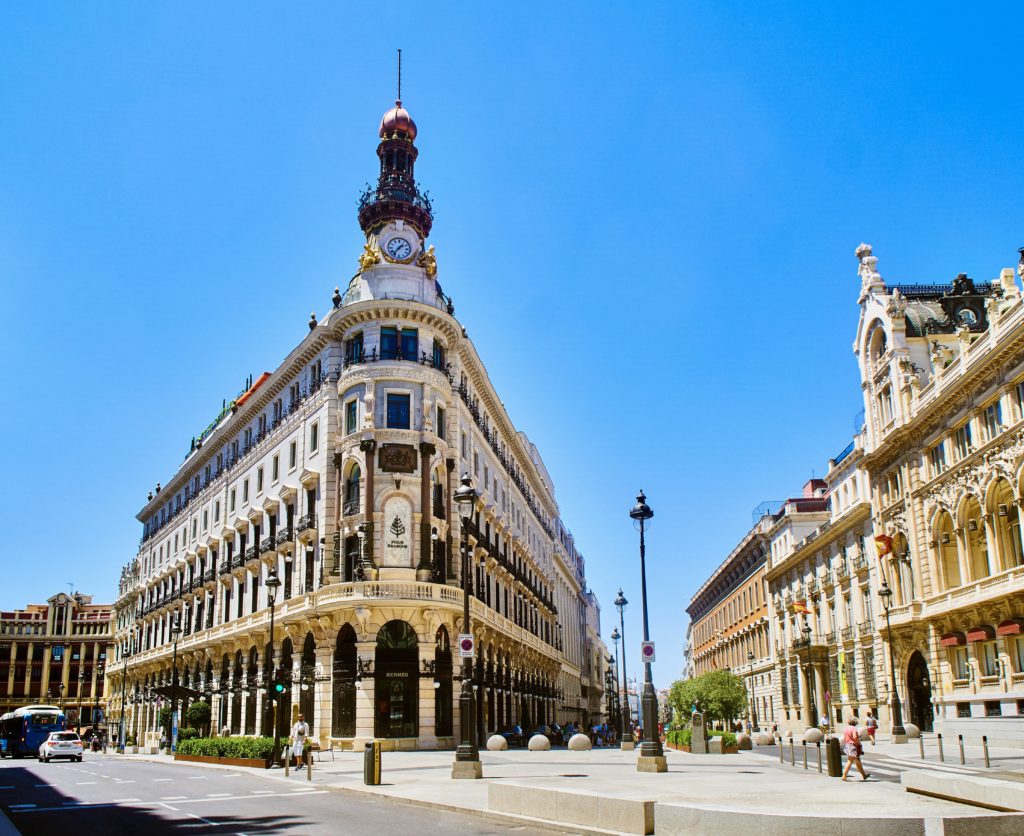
x=124 y=782
x=42 y=785
x=31 y=808
x=124 y=800
x=173 y=797
x=168 y=806
x=7 y=788
x=206 y=821
x=196 y=777
x=218 y=794
x=83 y=783
x=262 y=792
x=160 y=780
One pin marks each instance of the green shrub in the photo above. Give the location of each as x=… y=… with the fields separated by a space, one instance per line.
x=228 y=747
x=198 y=714
x=187 y=733
x=684 y=737
x=129 y=739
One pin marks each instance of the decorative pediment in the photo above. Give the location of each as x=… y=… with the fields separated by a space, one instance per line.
x=309 y=478
x=288 y=493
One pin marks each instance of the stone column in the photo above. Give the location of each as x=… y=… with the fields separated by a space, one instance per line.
x=423 y=567
x=323 y=692
x=427 y=730
x=365 y=705
x=369 y=448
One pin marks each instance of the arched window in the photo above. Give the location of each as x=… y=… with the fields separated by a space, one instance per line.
x=343 y=684
x=443 y=684
x=1006 y=522
x=948 y=553
x=975 y=540
x=352 y=491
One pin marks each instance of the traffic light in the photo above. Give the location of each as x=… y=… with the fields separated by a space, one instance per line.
x=277 y=686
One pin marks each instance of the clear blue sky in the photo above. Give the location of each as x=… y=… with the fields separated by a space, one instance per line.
x=646 y=216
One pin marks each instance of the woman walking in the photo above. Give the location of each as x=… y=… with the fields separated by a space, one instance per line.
x=853 y=750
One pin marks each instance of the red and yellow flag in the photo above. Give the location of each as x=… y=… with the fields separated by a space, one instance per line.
x=800 y=608
x=883 y=543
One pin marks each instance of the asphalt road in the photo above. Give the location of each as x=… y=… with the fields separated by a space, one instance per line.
x=104 y=795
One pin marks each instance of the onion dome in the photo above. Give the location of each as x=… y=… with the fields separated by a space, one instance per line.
x=397 y=120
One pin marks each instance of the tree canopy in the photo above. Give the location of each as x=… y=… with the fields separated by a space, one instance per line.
x=720 y=694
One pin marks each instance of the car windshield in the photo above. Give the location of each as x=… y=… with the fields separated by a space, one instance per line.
x=63 y=736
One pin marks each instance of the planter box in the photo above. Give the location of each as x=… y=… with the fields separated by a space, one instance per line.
x=254 y=763
x=728 y=750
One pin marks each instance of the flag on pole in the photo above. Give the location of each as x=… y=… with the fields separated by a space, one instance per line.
x=800 y=608
x=883 y=544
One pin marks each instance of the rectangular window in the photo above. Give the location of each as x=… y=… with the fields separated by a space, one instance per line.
x=293 y=450
x=993 y=708
x=193 y=529
x=993 y=420
x=206 y=519
x=314 y=437
x=245 y=491
x=1017 y=652
x=438 y=354
x=350 y=417
x=275 y=468
x=441 y=427
x=259 y=480
x=398 y=411
x=987 y=659
x=962 y=441
x=216 y=511
x=278 y=410
x=963 y=709
x=476 y=464
x=410 y=344
x=465 y=446
x=388 y=343
x=231 y=506
x=354 y=349
x=937 y=457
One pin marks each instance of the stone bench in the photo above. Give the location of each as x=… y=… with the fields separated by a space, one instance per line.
x=582 y=808
x=978 y=790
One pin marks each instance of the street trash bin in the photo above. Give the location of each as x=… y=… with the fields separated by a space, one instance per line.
x=371 y=764
x=835 y=759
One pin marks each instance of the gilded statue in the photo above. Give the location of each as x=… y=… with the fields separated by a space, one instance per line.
x=369 y=257
x=428 y=261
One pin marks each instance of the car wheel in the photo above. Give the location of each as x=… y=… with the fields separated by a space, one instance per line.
x=79 y=759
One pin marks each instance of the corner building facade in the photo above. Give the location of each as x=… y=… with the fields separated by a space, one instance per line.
x=338 y=471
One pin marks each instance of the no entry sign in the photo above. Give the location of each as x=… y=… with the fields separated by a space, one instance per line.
x=467 y=647
x=647 y=651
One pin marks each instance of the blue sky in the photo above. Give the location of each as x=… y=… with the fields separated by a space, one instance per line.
x=646 y=216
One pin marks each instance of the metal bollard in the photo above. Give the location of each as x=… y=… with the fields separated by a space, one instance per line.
x=287 y=761
x=942 y=757
x=818 y=744
x=920 y=743
x=984 y=748
x=804 y=742
x=782 y=752
x=309 y=766
x=960 y=738
x=792 y=753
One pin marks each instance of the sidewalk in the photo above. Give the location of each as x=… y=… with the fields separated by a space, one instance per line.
x=742 y=783
x=1002 y=758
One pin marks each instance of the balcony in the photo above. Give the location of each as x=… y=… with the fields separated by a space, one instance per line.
x=251 y=553
x=842 y=572
x=210 y=576
x=866 y=628
x=268 y=546
x=846 y=634
x=350 y=508
x=285 y=538
x=306 y=524
x=860 y=563
x=237 y=561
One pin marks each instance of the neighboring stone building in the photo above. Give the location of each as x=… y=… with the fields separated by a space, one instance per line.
x=729 y=625
x=596 y=670
x=942 y=371
x=55 y=653
x=821 y=581
x=337 y=472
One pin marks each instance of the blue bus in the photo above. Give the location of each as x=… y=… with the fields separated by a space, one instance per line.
x=23 y=730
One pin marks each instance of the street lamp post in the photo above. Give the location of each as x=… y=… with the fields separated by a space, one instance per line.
x=652 y=756
x=175 y=632
x=60 y=690
x=899 y=734
x=467 y=755
x=809 y=674
x=627 y=713
x=81 y=682
x=272 y=584
x=124 y=682
x=620 y=730
x=753 y=706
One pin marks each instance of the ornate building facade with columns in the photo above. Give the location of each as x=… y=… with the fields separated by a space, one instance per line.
x=335 y=474
x=942 y=372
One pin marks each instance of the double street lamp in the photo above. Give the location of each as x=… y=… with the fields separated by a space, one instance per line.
x=652 y=756
x=467 y=755
x=753 y=705
x=809 y=674
x=899 y=734
x=124 y=682
x=272 y=584
x=627 y=714
x=81 y=683
x=175 y=632
x=619 y=728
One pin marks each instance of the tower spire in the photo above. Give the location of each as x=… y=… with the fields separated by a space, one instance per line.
x=398 y=101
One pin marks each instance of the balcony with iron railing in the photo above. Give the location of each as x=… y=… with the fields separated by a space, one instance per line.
x=307 y=522
x=351 y=507
x=268 y=546
x=285 y=537
x=846 y=634
x=866 y=628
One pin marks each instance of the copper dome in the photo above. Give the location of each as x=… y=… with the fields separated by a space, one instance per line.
x=397 y=119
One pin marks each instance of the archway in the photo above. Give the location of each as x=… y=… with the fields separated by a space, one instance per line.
x=236 y=695
x=284 y=705
x=975 y=540
x=252 y=674
x=919 y=690
x=949 y=558
x=396 y=681
x=307 y=681
x=1006 y=524
x=443 y=677
x=343 y=684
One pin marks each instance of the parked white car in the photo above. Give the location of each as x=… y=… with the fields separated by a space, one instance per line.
x=61 y=744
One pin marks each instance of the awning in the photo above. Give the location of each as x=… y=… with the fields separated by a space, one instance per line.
x=179 y=692
x=953 y=640
x=1011 y=627
x=981 y=633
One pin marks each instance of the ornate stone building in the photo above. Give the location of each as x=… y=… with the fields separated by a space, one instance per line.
x=729 y=626
x=55 y=653
x=942 y=371
x=336 y=472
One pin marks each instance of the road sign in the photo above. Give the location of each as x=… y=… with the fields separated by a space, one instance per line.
x=647 y=651
x=467 y=646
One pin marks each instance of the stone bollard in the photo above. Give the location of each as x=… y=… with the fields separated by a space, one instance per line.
x=744 y=742
x=813 y=735
x=715 y=745
x=579 y=743
x=764 y=739
x=496 y=743
x=539 y=743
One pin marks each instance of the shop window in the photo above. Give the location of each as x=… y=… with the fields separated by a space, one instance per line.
x=963 y=710
x=993 y=708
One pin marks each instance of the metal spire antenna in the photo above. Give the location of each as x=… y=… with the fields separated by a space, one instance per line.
x=399 y=76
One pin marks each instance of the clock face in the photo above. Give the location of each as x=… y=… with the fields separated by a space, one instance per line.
x=399 y=249
x=967 y=316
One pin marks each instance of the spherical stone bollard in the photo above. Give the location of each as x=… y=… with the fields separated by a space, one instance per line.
x=496 y=743
x=911 y=730
x=577 y=743
x=539 y=743
x=813 y=736
x=743 y=740
x=765 y=739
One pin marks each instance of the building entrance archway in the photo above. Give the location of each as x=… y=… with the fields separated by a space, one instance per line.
x=396 y=681
x=919 y=690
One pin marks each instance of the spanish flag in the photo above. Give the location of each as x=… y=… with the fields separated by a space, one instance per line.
x=800 y=608
x=883 y=543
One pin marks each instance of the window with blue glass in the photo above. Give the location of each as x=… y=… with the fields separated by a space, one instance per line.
x=354 y=349
x=350 y=417
x=388 y=343
x=398 y=411
x=410 y=344
x=438 y=355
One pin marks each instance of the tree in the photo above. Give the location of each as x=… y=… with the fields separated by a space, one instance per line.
x=198 y=715
x=720 y=694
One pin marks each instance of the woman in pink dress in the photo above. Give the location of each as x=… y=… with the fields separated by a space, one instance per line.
x=852 y=749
